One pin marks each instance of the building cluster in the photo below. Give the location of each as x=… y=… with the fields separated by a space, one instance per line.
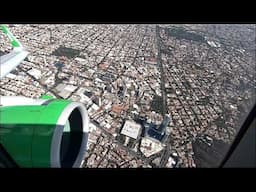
x=105 y=152
x=209 y=88
x=148 y=93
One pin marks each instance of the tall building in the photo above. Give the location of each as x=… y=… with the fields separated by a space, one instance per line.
x=158 y=133
x=164 y=123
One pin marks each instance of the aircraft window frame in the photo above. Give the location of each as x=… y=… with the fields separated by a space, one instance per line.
x=241 y=133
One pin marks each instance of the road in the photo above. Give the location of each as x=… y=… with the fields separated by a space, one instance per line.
x=166 y=152
x=159 y=63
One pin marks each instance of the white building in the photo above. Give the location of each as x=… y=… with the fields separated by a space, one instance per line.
x=35 y=73
x=131 y=129
x=149 y=146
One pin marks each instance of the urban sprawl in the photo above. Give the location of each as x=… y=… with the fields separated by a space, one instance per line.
x=156 y=95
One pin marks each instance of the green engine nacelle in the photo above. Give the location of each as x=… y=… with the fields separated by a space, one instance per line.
x=45 y=132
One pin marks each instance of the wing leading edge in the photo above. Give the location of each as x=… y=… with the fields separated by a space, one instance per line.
x=11 y=60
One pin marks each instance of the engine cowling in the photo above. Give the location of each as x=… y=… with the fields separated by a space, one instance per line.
x=43 y=132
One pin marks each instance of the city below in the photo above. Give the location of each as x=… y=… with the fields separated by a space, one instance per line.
x=163 y=96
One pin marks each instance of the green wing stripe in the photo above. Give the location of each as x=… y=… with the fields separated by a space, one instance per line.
x=14 y=41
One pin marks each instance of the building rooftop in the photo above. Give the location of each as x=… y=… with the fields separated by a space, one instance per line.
x=131 y=129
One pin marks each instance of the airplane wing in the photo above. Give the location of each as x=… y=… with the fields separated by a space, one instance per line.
x=11 y=60
x=56 y=130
